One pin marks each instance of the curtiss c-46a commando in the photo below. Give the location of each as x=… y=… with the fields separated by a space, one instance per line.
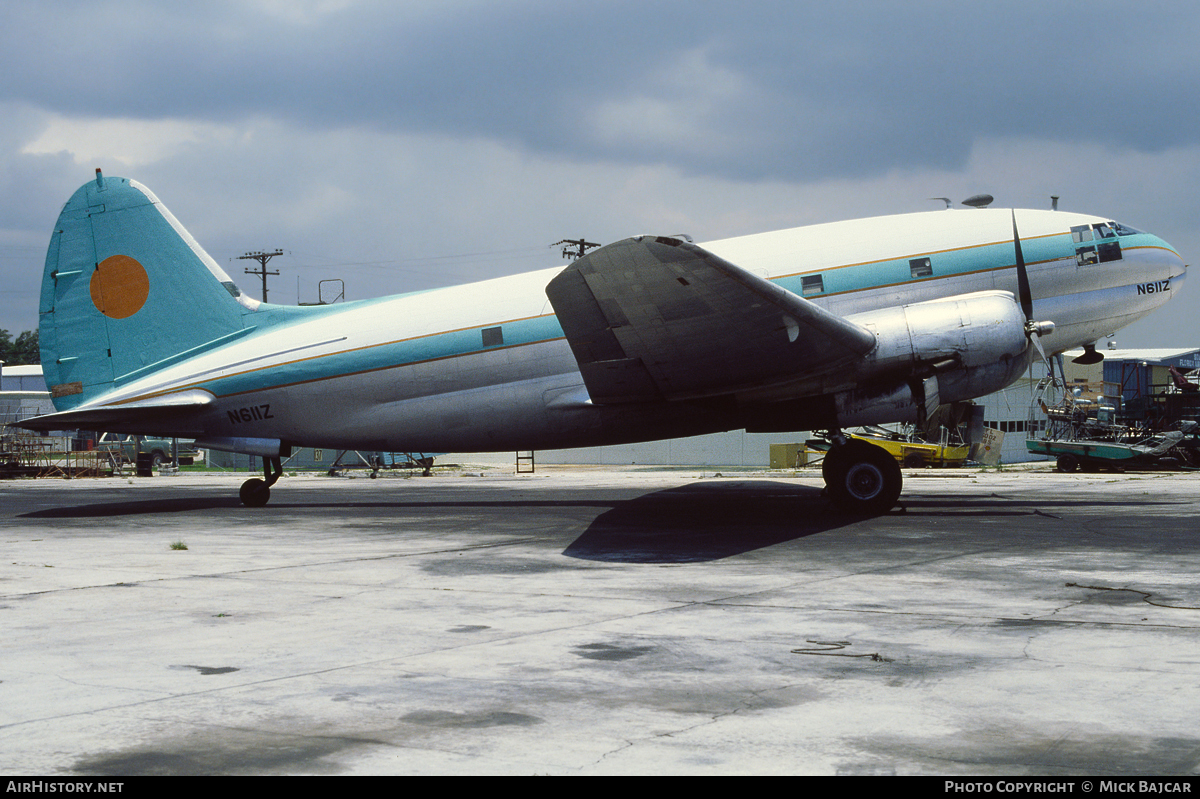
x=815 y=328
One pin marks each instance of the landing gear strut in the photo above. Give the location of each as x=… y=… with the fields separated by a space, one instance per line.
x=861 y=478
x=254 y=492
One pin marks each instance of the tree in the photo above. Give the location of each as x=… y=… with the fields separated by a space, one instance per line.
x=22 y=351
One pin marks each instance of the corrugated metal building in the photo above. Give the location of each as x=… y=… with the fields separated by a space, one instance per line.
x=23 y=393
x=22 y=378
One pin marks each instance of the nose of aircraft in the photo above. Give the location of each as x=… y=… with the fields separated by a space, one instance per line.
x=1178 y=275
x=1161 y=261
x=1177 y=268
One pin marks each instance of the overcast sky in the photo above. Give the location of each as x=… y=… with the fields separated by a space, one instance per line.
x=406 y=145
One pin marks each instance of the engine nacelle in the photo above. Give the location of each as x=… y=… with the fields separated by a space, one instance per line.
x=926 y=354
x=970 y=329
x=940 y=351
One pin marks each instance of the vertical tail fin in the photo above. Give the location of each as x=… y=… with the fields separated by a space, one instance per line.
x=125 y=287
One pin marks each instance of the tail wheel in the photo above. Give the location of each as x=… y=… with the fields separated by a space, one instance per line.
x=862 y=478
x=254 y=493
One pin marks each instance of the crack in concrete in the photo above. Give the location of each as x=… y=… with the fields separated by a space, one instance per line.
x=1145 y=595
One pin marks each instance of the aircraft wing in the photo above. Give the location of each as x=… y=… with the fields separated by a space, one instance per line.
x=167 y=410
x=653 y=318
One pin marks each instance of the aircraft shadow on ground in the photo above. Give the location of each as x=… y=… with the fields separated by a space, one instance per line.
x=133 y=508
x=696 y=522
x=714 y=520
x=186 y=505
x=706 y=521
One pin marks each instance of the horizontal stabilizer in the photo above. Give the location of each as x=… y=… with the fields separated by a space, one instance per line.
x=653 y=318
x=143 y=416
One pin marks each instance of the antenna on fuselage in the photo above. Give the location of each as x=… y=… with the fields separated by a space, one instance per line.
x=1053 y=202
x=974 y=201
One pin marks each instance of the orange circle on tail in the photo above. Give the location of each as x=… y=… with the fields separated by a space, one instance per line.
x=119 y=287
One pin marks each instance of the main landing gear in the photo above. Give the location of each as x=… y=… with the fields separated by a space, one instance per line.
x=861 y=478
x=254 y=492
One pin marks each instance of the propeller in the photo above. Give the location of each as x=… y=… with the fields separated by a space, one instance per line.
x=1033 y=330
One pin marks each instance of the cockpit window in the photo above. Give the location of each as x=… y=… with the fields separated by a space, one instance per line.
x=1101 y=230
x=1124 y=230
x=1106 y=233
x=1100 y=254
x=1109 y=251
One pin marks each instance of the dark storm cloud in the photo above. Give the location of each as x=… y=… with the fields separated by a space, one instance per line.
x=813 y=89
x=374 y=139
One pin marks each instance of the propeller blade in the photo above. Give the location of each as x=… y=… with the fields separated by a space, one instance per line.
x=1037 y=340
x=1034 y=330
x=1024 y=294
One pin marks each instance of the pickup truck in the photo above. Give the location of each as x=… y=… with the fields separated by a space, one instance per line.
x=159 y=449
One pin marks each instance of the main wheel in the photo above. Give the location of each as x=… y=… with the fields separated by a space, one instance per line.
x=862 y=478
x=254 y=493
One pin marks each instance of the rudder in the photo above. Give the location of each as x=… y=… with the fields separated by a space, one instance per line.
x=125 y=287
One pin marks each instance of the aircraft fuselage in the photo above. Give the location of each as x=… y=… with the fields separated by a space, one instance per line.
x=486 y=366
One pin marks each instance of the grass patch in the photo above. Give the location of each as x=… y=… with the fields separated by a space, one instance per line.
x=178 y=545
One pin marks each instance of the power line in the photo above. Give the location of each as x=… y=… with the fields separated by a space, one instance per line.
x=581 y=245
x=262 y=258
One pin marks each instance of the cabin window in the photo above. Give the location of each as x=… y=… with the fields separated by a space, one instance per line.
x=493 y=336
x=1109 y=251
x=811 y=284
x=920 y=267
x=1085 y=256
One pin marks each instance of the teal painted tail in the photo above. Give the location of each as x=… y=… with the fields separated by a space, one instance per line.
x=126 y=288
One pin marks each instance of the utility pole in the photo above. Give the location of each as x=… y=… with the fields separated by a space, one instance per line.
x=262 y=258
x=582 y=245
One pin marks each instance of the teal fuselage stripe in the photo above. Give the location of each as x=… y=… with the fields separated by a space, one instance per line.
x=949 y=263
x=439 y=346
x=837 y=280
